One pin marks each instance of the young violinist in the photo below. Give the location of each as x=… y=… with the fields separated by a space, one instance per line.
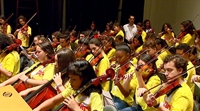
x=73 y=40
x=163 y=48
x=194 y=59
x=80 y=72
x=140 y=31
x=183 y=50
x=65 y=41
x=55 y=39
x=108 y=31
x=109 y=48
x=100 y=61
x=130 y=29
x=62 y=59
x=9 y=59
x=24 y=31
x=167 y=34
x=153 y=51
x=137 y=45
x=118 y=30
x=119 y=39
x=147 y=26
x=42 y=71
x=178 y=96
x=121 y=94
x=146 y=75
x=4 y=27
x=83 y=50
x=187 y=34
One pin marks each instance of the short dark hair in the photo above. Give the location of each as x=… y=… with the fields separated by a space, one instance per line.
x=95 y=41
x=83 y=69
x=179 y=62
x=125 y=48
x=183 y=46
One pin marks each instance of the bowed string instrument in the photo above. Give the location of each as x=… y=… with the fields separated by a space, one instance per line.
x=20 y=85
x=79 y=53
x=13 y=46
x=167 y=86
x=184 y=32
x=110 y=73
x=45 y=92
x=95 y=60
x=24 y=28
x=4 y=26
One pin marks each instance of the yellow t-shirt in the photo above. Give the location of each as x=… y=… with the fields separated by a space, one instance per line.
x=9 y=29
x=168 y=39
x=163 y=54
x=181 y=99
x=188 y=39
x=57 y=48
x=190 y=73
x=101 y=68
x=111 y=53
x=24 y=38
x=139 y=49
x=11 y=62
x=159 y=62
x=94 y=102
x=43 y=73
x=116 y=91
x=153 y=81
x=120 y=33
x=89 y=57
x=144 y=34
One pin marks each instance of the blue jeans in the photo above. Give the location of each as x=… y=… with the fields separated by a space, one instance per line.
x=133 y=108
x=120 y=104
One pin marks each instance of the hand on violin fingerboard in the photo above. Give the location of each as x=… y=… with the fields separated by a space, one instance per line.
x=150 y=100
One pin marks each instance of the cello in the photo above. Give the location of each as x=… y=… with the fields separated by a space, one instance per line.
x=21 y=85
x=43 y=93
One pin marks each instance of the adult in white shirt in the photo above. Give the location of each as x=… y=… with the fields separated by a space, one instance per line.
x=130 y=28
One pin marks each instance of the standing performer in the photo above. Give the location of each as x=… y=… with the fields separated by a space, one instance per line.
x=4 y=26
x=24 y=32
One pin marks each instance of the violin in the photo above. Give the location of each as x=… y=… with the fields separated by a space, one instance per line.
x=24 y=29
x=181 y=35
x=13 y=46
x=96 y=60
x=123 y=70
x=168 y=88
x=139 y=33
x=4 y=28
x=55 y=44
x=82 y=54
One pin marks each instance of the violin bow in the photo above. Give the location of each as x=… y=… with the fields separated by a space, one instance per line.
x=167 y=81
x=9 y=17
x=28 y=20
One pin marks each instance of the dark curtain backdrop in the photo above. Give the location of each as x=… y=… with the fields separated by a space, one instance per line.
x=78 y=12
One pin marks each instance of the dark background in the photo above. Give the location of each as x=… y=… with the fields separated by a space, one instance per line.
x=79 y=13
